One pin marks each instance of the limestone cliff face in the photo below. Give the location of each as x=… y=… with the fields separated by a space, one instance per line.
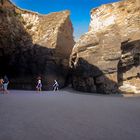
x=107 y=58
x=32 y=44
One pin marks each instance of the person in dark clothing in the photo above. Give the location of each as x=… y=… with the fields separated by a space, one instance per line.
x=5 y=84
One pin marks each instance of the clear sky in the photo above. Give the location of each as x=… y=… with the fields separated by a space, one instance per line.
x=80 y=10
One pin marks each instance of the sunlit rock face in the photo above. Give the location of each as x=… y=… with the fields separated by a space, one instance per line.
x=107 y=57
x=33 y=45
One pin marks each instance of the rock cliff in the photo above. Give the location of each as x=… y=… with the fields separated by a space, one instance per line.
x=107 y=57
x=32 y=44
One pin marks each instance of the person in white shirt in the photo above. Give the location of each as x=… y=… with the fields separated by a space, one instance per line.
x=39 y=85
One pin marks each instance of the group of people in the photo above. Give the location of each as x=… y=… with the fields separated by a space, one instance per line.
x=4 y=84
x=39 y=85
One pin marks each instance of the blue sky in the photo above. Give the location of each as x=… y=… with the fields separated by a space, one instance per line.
x=80 y=10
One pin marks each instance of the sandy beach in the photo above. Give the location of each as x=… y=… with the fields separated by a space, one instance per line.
x=67 y=115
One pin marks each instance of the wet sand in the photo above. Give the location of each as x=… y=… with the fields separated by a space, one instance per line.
x=68 y=115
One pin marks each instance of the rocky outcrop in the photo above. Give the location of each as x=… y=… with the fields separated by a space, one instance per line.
x=32 y=44
x=107 y=58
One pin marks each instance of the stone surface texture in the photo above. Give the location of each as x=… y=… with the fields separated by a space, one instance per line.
x=107 y=57
x=32 y=44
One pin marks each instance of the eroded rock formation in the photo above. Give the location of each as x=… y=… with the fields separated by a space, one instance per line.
x=32 y=44
x=107 y=58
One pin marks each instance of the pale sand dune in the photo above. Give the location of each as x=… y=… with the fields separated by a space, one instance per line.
x=68 y=115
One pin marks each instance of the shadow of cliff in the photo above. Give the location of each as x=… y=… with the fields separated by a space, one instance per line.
x=22 y=60
x=28 y=65
x=130 y=58
x=89 y=78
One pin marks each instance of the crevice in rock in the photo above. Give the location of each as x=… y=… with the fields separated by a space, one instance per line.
x=129 y=65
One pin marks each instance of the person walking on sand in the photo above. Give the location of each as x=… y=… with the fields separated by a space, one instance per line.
x=55 y=85
x=5 y=84
x=39 y=84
